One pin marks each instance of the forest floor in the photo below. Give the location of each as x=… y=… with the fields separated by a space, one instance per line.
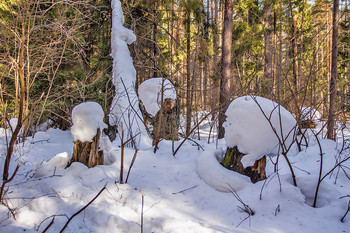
x=167 y=193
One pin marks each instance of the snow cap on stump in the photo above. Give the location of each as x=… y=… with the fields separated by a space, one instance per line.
x=247 y=128
x=309 y=113
x=87 y=118
x=150 y=93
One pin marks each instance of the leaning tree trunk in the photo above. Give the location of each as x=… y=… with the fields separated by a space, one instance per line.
x=232 y=161
x=87 y=152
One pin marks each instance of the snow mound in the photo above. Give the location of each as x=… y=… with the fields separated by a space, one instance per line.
x=247 y=128
x=87 y=118
x=47 y=168
x=308 y=113
x=217 y=176
x=150 y=93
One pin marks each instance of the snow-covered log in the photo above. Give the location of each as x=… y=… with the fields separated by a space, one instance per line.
x=125 y=106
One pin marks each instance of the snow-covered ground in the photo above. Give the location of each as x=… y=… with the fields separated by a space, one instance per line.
x=189 y=192
x=176 y=197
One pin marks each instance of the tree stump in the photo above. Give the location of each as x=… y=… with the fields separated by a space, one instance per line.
x=232 y=161
x=307 y=124
x=169 y=121
x=87 y=152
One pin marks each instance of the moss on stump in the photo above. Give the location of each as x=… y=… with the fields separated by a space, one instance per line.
x=232 y=161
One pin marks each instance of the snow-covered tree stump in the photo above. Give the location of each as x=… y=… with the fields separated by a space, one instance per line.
x=308 y=124
x=159 y=98
x=88 y=122
x=233 y=162
x=88 y=152
x=168 y=120
x=309 y=117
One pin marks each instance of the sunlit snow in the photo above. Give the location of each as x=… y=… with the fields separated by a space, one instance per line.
x=258 y=126
x=190 y=192
x=87 y=117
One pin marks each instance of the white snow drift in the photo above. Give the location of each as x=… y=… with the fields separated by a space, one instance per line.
x=217 y=176
x=257 y=126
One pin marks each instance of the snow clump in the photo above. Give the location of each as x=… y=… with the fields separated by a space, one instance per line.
x=150 y=93
x=308 y=113
x=215 y=175
x=247 y=128
x=46 y=168
x=87 y=118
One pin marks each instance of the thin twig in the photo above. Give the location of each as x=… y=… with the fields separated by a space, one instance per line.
x=182 y=191
x=50 y=224
x=132 y=163
x=188 y=135
x=82 y=209
x=142 y=205
x=8 y=181
x=347 y=211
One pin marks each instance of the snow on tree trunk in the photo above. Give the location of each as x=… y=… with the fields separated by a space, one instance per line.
x=125 y=105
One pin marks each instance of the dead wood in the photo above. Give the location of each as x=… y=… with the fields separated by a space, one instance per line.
x=233 y=162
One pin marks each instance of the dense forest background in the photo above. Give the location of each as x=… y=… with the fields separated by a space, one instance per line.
x=56 y=54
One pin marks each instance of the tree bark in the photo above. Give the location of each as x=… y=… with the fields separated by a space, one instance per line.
x=155 y=44
x=188 y=74
x=232 y=161
x=268 y=48
x=333 y=80
x=169 y=121
x=88 y=152
x=225 y=80
x=216 y=83
x=294 y=29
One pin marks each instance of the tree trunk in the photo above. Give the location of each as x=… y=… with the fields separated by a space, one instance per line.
x=169 y=121
x=348 y=16
x=268 y=49
x=87 y=152
x=333 y=80
x=155 y=43
x=188 y=73
x=294 y=29
x=232 y=161
x=225 y=80
x=214 y=90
